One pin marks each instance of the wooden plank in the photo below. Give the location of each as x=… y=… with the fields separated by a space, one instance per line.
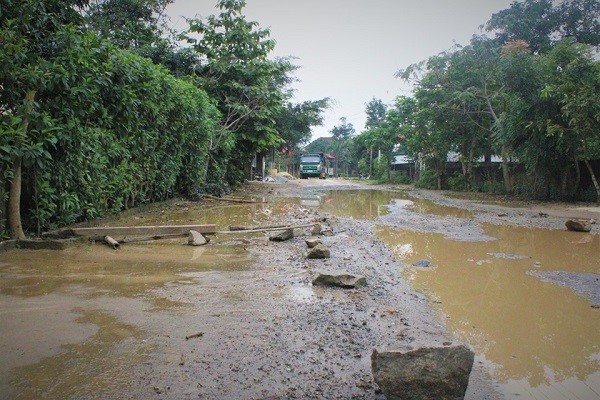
x=267 y=229
x=233 y=200
x=118 y=232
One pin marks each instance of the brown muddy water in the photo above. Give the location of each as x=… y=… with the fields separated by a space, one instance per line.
x=61 y=312
x=538 y=340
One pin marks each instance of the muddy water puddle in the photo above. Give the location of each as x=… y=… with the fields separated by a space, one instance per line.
x=74 y=321
x=521 y=297
x=370 y=204
x=221 y=214
x=539 y=340
x=95 y=366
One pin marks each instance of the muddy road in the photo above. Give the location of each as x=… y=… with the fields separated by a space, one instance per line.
x=90 y=322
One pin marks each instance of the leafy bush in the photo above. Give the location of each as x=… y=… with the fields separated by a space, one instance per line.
x=456 y=182
x=494 y=187
x=400 y=178
x=113 y=130
x=427 y=180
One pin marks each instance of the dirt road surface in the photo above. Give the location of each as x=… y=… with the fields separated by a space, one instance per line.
x=94 y=323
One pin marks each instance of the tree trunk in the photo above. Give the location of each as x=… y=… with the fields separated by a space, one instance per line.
x=371 y=162
x=14 y=202
x=14 y=198
x=575 y=187
x=506 y=171
x=596 y=184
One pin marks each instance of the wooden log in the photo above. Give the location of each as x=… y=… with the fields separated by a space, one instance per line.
x=251 y=228
x=121 y=232
x=208 y=196
x=112 y=242
x=195 y=335
x=283 y=228
x=149 y=238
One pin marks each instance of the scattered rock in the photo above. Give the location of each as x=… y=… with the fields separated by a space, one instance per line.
x=341 y=279
x=195 y=238
x=425 y=373
x=312 y=242
x=328 y=231
x=578 y=225
x=422 y=263
x=319 y=251
x=316 y=230
x=282 y=236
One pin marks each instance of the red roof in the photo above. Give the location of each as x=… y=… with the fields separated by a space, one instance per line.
x=330 y=156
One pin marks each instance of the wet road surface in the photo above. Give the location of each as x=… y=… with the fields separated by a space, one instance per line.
x=91 y=322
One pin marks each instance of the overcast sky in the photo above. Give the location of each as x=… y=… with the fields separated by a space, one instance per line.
x=349 y=50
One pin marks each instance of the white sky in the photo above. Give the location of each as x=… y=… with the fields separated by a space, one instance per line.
x=349 y=50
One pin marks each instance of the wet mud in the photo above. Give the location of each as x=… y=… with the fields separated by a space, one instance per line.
x=90 y=322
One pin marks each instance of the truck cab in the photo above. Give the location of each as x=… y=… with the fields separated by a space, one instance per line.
x=313 y=164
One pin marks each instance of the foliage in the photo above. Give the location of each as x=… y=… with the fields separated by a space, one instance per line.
x=128 y=24
x=294 y=121
x=250 y=89
x=541 y=23
x=108 y=129
x=427 y=180
x=528 y=95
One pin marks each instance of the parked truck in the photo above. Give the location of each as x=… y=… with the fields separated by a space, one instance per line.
x=313 y=164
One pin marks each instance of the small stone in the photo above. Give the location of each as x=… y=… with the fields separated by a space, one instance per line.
x=578 y=225
x=327 y=232
x=422 y=263
x=282 y=236
x=316 y=230
x=318 y=252
x=312 y=242
x=341 y=279
x=195 y=238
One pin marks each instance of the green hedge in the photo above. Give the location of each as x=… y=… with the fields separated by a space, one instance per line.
x=118 y=131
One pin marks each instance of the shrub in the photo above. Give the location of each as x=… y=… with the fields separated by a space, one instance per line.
x=427 y=179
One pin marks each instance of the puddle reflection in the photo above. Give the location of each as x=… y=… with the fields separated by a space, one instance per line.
x=539 y=338
x=370 y=204
x=129 y=272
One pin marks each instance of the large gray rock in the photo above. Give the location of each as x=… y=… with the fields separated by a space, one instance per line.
x=282 y=236
x=195 y=238
x=341 y=279
x=319 y=251
x=579 y=225
x=440 y=373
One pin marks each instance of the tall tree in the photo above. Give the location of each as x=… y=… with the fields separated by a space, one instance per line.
x=573 y=84
x=375 y=110
x=341 y=134
x=294 y=121
x=250 y=89
x=542 y=23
